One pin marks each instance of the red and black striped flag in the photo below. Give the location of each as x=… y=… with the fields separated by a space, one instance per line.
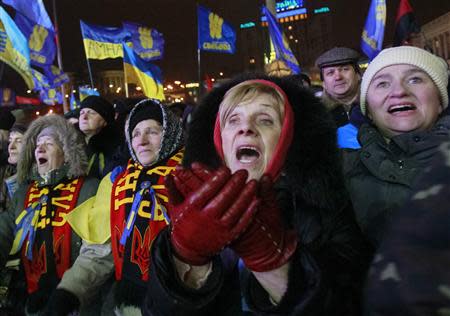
x=405 y=24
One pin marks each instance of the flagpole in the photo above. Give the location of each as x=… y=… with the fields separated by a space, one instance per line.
x=198 y=60
x=125 y=79
x=59 y=56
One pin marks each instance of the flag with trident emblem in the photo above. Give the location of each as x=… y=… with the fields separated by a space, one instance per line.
x=148 y=43
x=214 y=34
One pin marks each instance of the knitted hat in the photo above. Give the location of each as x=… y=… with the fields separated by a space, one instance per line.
x=151 y=111
x=7 y=120
x=338 y=56
x=99 y=105
x=19 y=128
x=434 y=66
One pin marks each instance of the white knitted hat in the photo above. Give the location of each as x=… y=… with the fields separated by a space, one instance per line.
x=433 y=65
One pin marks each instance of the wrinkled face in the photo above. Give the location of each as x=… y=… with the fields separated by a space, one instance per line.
x=48 y=154
x=340 y=81
x=402 y=98
x=146 y=141
x=90 y=122
x=250 y=133
x=14 y=147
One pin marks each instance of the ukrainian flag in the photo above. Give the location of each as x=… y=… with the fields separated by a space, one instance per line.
x=14 y=48
x=142 y=73
x=102 y=42
x=85 y=91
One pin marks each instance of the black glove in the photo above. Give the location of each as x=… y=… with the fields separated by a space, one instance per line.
x=62 y=303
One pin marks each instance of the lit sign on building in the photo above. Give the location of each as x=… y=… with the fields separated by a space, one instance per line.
x=288 y=5
x=286 y=14
x=322 y=10
x=247 y=25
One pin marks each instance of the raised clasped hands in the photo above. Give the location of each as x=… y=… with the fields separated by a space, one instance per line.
x=208 y=210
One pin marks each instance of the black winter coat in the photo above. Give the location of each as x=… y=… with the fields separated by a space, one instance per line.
x=329 y=265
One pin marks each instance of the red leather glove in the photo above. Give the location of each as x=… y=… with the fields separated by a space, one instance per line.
x=266 y=244
x=207 y=219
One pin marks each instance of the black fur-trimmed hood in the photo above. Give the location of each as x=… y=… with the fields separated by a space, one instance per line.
x=72 y=142
x=312 y=168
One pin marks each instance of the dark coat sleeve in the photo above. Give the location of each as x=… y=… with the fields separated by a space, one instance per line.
x=167 y=295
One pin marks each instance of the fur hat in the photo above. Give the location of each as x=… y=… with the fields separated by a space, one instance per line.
x=433 y=65
x=101 y=106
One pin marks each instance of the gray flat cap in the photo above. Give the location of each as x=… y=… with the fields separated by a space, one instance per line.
x=338 y=56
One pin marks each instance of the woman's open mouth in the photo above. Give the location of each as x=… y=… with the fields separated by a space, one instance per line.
x=247 y=154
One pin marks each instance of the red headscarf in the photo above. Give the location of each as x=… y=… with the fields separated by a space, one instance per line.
x=287 y=133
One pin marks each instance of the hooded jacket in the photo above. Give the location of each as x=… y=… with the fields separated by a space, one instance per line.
x=125 y=294
x=75 y=167
x=328 y=265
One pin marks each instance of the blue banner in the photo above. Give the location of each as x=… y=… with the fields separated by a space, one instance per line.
x=373 y=32
x=101 y=42
x=41 y=41
x=33 y=10
x=14 y=49
x=148 y=43
x=214 y=34
x=144 y=74
x=280 y=44
x=55 y=76
x=51 y=96
x=41 y=82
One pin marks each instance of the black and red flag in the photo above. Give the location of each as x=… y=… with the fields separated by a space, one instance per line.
x=405 y=24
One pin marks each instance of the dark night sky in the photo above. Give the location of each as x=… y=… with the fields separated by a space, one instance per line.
x=176 y=19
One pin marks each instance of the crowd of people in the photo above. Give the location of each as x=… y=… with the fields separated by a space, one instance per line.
x=265 y=198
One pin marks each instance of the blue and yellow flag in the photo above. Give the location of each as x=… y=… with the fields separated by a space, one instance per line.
x=148 y=43
x=41 y=41
x=74 y=104
x=101 y=42
x=40 y=81
x=142 y=73
x=56 y=77
x=214 y=34
x=33 y=10
x=51 y=96
x=14 y=49
x=280 y=43
x=86 y=91
x=373 y=32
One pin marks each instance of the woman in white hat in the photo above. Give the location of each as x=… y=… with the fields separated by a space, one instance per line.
x=404 y=95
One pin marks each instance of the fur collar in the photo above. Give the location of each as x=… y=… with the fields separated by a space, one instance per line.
x=74 y=149
x=313 y=167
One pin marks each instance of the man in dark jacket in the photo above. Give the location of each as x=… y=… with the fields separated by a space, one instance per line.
x=302 y=251
x=97 y=123
x=404 y=94
x=341 y=76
